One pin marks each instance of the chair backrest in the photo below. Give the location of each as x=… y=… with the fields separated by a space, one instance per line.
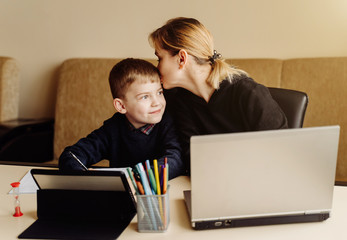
x=9 y=88
x=293 y=104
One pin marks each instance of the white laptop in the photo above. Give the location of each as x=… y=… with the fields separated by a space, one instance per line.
x=261 y=178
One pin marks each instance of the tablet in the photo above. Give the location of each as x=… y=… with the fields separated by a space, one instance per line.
x=81 y=205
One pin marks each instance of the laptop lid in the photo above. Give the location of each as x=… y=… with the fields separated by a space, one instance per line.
x=263 y=174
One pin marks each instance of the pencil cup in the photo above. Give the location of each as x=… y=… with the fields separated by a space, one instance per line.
x=153 y=212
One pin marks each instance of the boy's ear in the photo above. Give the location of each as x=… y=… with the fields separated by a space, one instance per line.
x=183 y=56
x=119 y=105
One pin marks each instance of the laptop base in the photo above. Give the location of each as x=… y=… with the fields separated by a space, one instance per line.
x=259 y=221
x=248 y=222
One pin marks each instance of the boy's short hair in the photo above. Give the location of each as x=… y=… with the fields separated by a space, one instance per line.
x=127 y=71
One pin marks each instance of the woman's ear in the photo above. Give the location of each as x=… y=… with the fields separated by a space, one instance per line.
x=119 y=105
x=183 y=57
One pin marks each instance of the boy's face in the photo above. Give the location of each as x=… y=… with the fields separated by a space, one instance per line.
x=144 y=102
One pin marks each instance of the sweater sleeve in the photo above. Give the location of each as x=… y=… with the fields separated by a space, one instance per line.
x=186 y=127
x=171 y=148
x=88 y=150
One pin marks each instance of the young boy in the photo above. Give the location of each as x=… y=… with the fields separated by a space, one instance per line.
x=140 y=130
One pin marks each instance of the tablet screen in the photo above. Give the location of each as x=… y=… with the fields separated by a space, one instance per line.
x=80 y=180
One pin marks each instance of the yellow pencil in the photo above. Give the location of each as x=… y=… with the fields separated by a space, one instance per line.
x=156 y=175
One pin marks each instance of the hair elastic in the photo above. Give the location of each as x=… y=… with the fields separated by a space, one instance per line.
x=215 y=56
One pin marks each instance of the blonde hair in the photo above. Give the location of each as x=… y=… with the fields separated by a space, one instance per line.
x=191 y=35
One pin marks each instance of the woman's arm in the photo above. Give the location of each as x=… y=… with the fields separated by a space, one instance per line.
x=171 y=147
x=260 y=110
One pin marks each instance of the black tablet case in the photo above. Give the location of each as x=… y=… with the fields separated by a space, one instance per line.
x=82 y=214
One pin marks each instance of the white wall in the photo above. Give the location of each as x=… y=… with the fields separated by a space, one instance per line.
x=41 y=34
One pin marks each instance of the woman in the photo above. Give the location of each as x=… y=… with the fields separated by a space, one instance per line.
x=210 y=97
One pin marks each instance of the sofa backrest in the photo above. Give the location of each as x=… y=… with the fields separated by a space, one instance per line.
x=265 y=71
x=84 y=100
x=9 y=89
x=325 y=82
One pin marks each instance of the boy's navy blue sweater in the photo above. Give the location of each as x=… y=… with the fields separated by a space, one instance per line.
x=124 y=147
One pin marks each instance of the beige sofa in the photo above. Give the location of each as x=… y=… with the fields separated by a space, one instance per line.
x=84 y=99
x=9 y=88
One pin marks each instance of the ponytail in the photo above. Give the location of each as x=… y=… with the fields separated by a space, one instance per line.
x=221 y=70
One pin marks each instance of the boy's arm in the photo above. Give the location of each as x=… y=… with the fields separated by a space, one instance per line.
x=88 y=150
x=171 y=148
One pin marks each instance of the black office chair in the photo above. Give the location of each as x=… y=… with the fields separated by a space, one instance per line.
x=293 y=104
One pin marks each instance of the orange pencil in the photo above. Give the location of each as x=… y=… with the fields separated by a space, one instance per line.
x=139 y=186
x=164 y=180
